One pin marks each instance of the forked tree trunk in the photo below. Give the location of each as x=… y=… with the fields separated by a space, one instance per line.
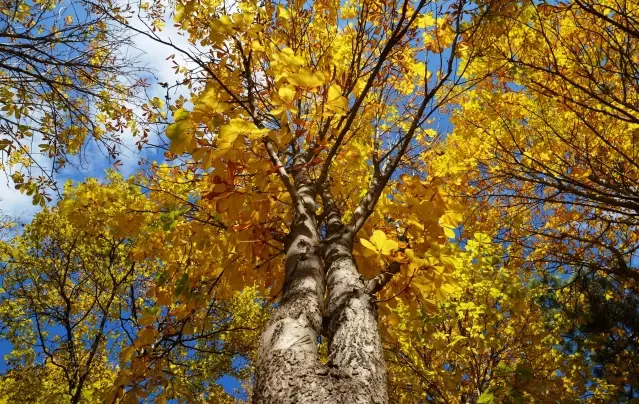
x=289 y=368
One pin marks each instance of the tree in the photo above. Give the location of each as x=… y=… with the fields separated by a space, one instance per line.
x=495 y=339
x=303 y=116
x=605 y=328
x=554 y=132
x=547 y=144
x=80 y=306
x=306 y=165
x=67 y=78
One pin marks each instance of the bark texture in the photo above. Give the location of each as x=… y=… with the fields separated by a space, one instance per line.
x=321 y=281
x=354 y=343
x=288 y=360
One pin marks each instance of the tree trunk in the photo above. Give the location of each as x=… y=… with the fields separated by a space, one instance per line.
x=288 y=359
x=289 y=369
x=355 y=348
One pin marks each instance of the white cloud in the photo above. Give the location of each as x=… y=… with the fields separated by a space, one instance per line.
x=18 y=206
x=154 y=56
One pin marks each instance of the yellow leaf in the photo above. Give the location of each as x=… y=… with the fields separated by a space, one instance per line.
x=282 y=138
x=307 y=79
x=277 y=111
x=456 y=340
x=481 y=238
x=449 y=232
x=414 y=262
x=283 y=12
x=126 y=353
x=384 y=245
x=226 y=20
x=425 y=20
x=400 y=257
x=177 y=129
x=257 y=46
x=199 y=153
x=243 y=19
x=286 y=93
x=380 y=244
x=147 y=320
x=367 y=244
x=288 y=57
x=451 y=219
x=239 y=127
x=335 y=101
x=145 y=337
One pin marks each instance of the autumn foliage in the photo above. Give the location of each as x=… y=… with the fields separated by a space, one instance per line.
x=359 y=202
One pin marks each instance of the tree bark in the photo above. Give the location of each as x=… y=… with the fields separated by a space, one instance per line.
x=355 y=347
x=288 y=359
x=289 y=368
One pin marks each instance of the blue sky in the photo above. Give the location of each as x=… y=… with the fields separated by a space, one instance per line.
x=153 y=55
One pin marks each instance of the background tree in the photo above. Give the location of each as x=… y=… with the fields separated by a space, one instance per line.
x=548 y=145
x=78 y=299
x=495 y=339
x=553 y=132
x=68 y=78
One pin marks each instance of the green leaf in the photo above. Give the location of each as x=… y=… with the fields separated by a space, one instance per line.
x=503 y=368
x=182 y=284
x=524 y=372
x=486 y=397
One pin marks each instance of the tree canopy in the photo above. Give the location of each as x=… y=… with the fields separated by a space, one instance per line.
x=362 y=202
